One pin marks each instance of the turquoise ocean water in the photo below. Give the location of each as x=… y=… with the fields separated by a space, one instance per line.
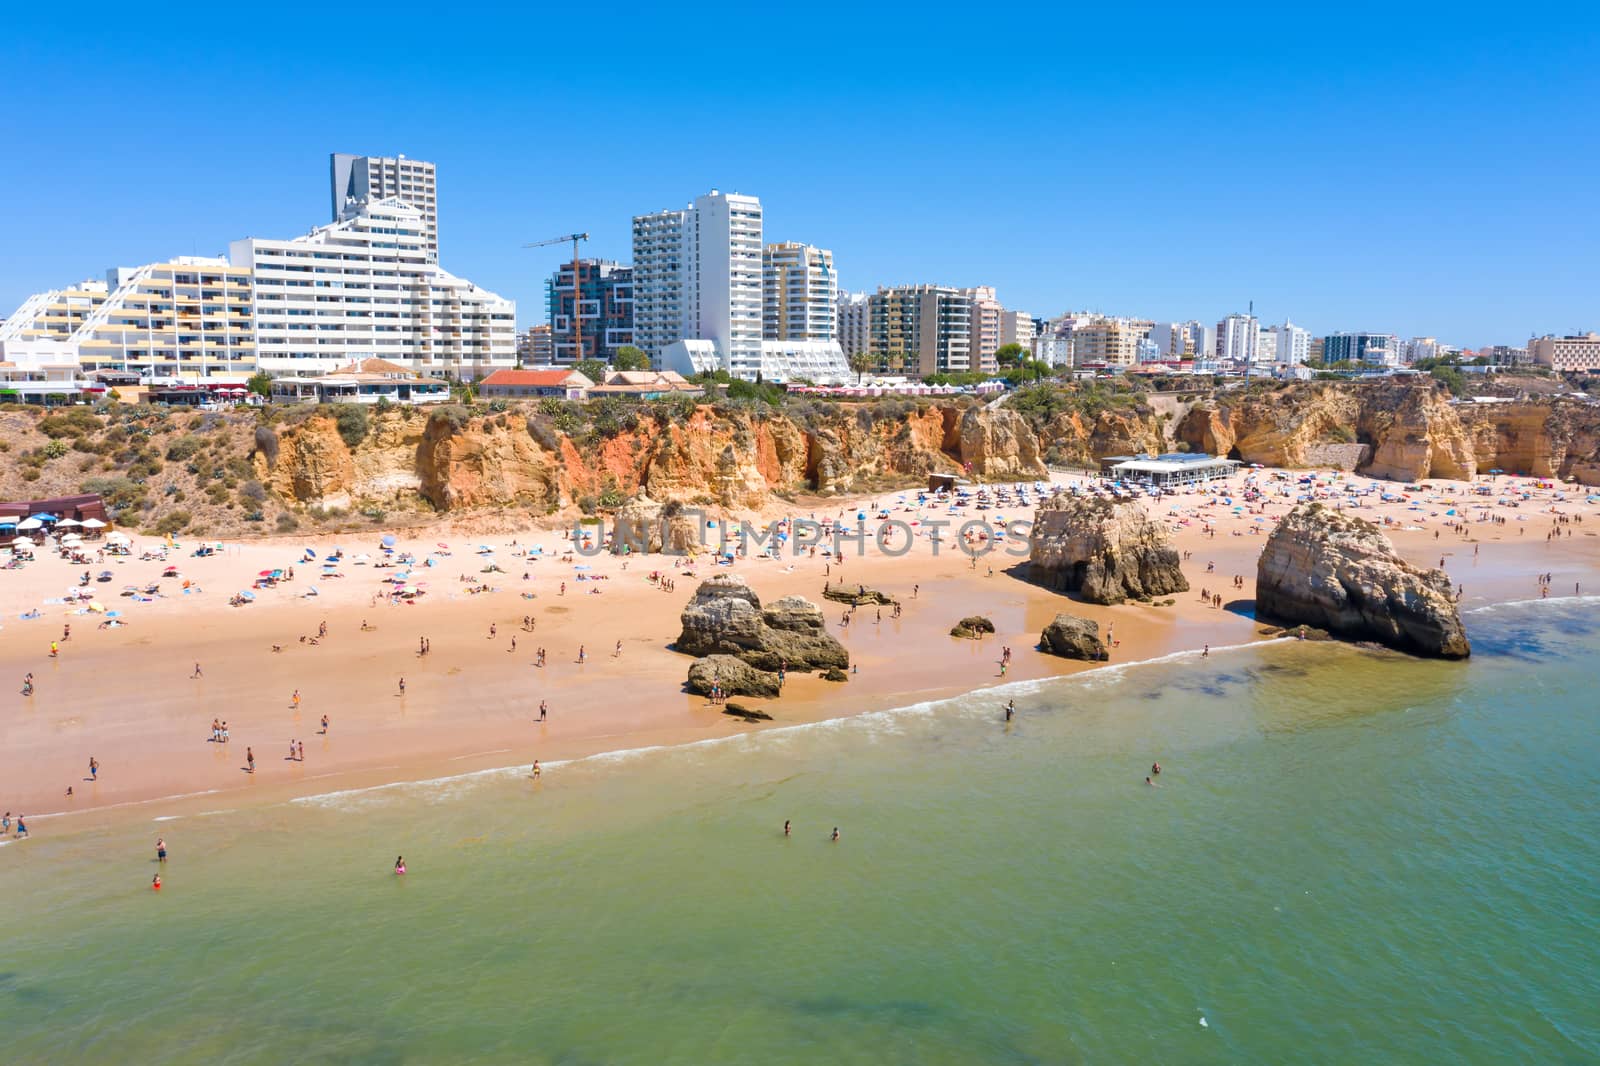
x=1352 y=857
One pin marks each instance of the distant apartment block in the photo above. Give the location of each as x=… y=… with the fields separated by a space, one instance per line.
x=1107 y=342
x=365 y=288
x=800 y=293
x=1377 y=349
x=921 y=330
x=534 y=347
x=1237 y=338
x=1017 y=327
x=699 y=296
x=1566 y=354
x=357 y=179
x=986 y=328
x=1291 y=345
x=605 y=301
x=1505 y=355
x=854 y=329
x=1183 y=340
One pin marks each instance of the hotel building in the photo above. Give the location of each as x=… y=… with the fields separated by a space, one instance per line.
x=365 y=288
x=358 y=179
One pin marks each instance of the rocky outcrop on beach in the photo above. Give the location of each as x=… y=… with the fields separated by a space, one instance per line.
x=726 y=617
x=643 y=525
x=1337 y=572
x=1072 y=637
x=857 y=596
x=998 y=443
x=972 y=627
x=1104 y=550
x=732 y=675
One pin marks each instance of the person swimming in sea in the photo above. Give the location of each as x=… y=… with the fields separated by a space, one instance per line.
x=1011 y=709
x=835 y=836
x=1155 y=769
x=786 y=827
x=399 y=864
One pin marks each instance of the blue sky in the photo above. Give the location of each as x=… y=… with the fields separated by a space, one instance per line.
x=1432 y=170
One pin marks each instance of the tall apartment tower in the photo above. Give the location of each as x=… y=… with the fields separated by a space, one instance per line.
x=722 y=251
x=1017 y=327
x=854 y=328
x=800 y=293
x=659 y=308
x=357 y=179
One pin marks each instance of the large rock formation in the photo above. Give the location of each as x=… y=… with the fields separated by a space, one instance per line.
x=726 y=618
x=733 y=675
x=1340 y=573
x=1105 y=551
x=972 y=627
x=1072 y=637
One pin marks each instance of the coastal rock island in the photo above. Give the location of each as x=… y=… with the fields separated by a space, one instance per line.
x=1106 y=551
x=726 y=618
x=1337 y=572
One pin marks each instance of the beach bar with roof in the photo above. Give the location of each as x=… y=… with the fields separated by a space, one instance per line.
x=1168 y=471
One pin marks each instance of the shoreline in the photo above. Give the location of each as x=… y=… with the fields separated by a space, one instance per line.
x=469 y=706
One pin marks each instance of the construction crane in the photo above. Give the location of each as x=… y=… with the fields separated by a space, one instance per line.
x=577 y=287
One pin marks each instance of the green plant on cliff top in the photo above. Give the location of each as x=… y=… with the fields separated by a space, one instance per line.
x=351 y=421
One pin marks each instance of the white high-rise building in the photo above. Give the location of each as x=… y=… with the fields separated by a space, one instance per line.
x=1237 y=336
x=358 y=179
x=365 y=288
x=985 y=329
x=854 y=330
x=1292 y=344
x=1183 y=340
x=1266 y=346
x=800 y=293
x=698 y=296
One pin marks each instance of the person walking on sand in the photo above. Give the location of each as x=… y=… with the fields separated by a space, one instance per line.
x=302 y=746
x=161 y=849
x=536 y=770
x=250 y=759
x=544 y=710
x=294 y=700
x=617 y=653
x=196 y=672
x=94 y=769
x=402 y=686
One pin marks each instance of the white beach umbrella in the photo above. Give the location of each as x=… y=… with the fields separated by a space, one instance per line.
x=93 y=523
x=30 y=523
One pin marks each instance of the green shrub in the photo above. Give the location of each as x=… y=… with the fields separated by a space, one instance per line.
x=117 y=492
x=287 y=523
x=612 y=496
x=183 y=449
x=351 y=420
x=55 y=449
x=253 y=491
x=173 y=522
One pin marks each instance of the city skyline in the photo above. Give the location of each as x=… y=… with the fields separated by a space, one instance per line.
x=1408 y=191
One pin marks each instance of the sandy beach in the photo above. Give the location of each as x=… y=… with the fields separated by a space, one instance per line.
x=127 y=696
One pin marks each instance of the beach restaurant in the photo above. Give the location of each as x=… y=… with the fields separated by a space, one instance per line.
x=1167 y=471
x=26 y=517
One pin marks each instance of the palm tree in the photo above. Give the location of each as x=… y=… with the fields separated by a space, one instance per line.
x=861 y=362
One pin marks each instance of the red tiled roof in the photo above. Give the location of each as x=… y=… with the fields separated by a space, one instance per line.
x=546 y=378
